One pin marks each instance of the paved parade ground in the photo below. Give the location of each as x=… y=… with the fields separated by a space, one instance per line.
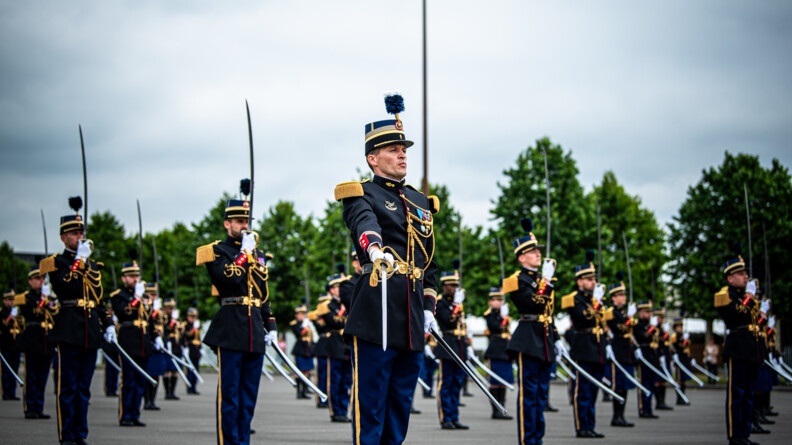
x=281 y=419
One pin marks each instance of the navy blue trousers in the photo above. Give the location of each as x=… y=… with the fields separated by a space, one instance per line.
x=618 y=380
x=427 y=374
x=9 y=382
x=132 y=386
x=37 y=368
x=237 y=388
x=111 y=377
x=321 y=378
x=585 y=400
x=449 y=385
x=739 y=398
x=534 y=384
x=340 y=376
x=76 y=366
x=503 y=369
x=383 y=385
x=648 y=378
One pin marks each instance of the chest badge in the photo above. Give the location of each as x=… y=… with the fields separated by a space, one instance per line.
x=390 y=205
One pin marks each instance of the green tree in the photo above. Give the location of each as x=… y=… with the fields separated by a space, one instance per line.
x=13 y=272
x=713 y=217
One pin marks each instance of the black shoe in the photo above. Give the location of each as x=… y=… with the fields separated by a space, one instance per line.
x=126 y=423
x=500 y=416
x=447 y=426
x=681 y=402
x=597 y=435
x=467 y=394
x=621 y=422
x=460 y=426
x=322 y=405
x=585 y=434
x=414 y=411
x=341 y=419
x=252 y=431
x=462 y=404
x=648 y=416
x=663 y=407
x=762 y=419
x=150 y=406
x=756 y=428
x=11 y=398
x=550 y=409
x=769 y=412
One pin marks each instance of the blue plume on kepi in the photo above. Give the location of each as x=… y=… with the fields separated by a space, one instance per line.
x=394 y=103
x=244 y=186
x=75 y=203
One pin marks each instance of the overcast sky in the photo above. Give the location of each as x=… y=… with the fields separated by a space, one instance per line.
x=655 y=91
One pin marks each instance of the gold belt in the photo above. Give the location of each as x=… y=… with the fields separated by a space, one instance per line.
x=241 y=301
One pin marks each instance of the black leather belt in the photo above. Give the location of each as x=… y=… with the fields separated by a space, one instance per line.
x=235 y=301
x=78 y=303
x=529 y=317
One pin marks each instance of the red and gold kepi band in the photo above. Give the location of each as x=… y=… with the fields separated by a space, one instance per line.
x=644 y=305
x=733 y=265
x=33 y=271
x=237 y=208
x=449 y=278
x=495 y=293
x=301 y=308
x=130 y=268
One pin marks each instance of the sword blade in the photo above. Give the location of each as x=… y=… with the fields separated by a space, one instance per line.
x=687 y=371
x=13 y=374
x=266 y=373
x=85 y=182
x=492 y=373
x=704 y=371
x=656 y=371
x=424 y=385
x=565 y=368
x=134 y=365
x=110 y=361
x=300 y=375
x=592 y=379
x=631 y=378
x=252 y=184
x=280 y=369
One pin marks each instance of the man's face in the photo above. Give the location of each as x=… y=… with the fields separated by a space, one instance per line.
x=168 y=310
x=738 y=279
x=72 y=239
x=587 y=283
x=645 y=314
x=300 y=316
x=496 y=304
x=619 y=299
x=35 y=282
x=334 y=291
x=130 y=280
x=449 y=289
x=8 y=302
x=678 y=328
x=191 y=319
x=235 y=227
x=532 y=259
x=389 y=161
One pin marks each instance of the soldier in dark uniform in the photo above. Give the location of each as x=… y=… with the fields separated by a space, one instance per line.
x=158 y=362
x=191 y=340
x=764 y=375
x=646 y=333
x=430 y=363
x=11 y=327
x=172 y=336
x=737 y=306
x=663 y=356
x=451 y=322
x=38 y=311
x=498 y=324
x=762 y=395
x=339 y=366
x=137 y=338
x=244 y=325
x=320 y=348
x=680 y=346
x=535 y=343
x=111 y=373
x=588 y=345
x=621 y=349
x=77 y=281
x=303 y=348
x=391 y=224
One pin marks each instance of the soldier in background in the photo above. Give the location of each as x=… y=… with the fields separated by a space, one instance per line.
x=10 y=329
x=646 y=335
x=680 y=346
x=303 y=348
x=429 y=366
x=339 y=365
x=451 y=322
x=172 y=335
x=191 y=341
x=111 y=373
x=320 y=348
x=498 y=325
x=621 y=350
x=38 y=312
x=663 y=355
x=158 y=362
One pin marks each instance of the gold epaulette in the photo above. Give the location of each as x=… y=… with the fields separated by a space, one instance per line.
x=434 y=203
x=568 y=301
x=722 y=297
x=512 y=283
x=348 y=190
x=215 y=292
x=322 y=308
x=293 y=322
x=205 y=254
x=487 y=312
x=672 y=338
x=115 y=292
x=20 y=299
x=312 y=316
x=47 y=265
x=608 y=315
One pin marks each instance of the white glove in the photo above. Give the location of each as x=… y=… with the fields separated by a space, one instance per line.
x=765 y=307
x=686 y=336
x=377 y=254
x=470 y=352
x=304 y=323
x=599 y=292
x=638 y=354
x=632 y=310
x=504 y=310
x=751 y=287
x=83 y=250
x=459 y=296
x=666 y=327
x=45 y=290
x=248 y=242
x=271 y=338
x=771 y=322
x=196 y=324
x=157 y=305
x=159 y=345
x=548 y=269
x=428 y=352
x=560 y=348
x=653 y=321
x=140 y=289
x=14 y=311
x=609 y=352
x=675 y=357
x=429 y=321
x=110 y=334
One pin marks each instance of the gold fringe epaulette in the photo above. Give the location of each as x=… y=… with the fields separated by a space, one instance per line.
x=115 y=292
x=434 y=203
x=608 y=315
x=348 y=190
x=205 y=254
x=293 y=322
x=512 y=283
x=20 y=299
x=47 y=265
x=312 y=316
x=487 y=312
x=568 y=301
x=322 y=308
x=722 y=297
